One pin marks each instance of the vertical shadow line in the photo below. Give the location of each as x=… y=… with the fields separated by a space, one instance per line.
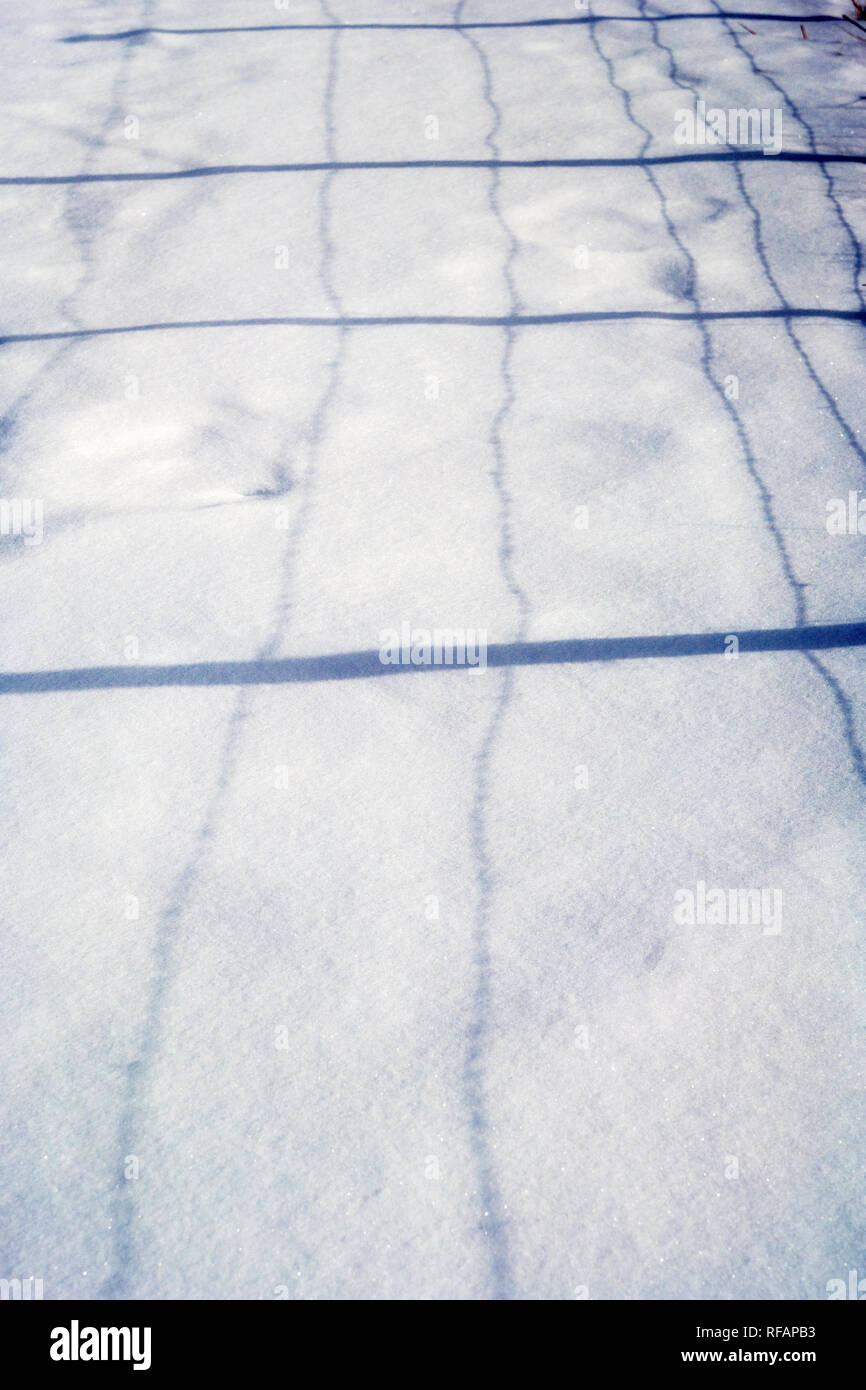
x=124 y=1276
x=492 y=1221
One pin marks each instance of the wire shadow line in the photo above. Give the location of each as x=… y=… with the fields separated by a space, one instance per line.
x=448 y=320
x=540 y=23
x=209 y=171
x=493 y=1223
x=125 y=1275
x=362 y=665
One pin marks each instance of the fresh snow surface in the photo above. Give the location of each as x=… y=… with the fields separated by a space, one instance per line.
x=326 y=981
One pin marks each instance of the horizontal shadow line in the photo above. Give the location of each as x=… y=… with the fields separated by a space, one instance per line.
x=446 y=320
x=361 y=665
x=383 y=165
x=541 y=23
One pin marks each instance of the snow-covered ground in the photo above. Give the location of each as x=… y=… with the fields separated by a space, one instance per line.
x=318 y=984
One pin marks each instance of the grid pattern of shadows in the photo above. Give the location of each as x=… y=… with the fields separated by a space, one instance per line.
x=268 y=668
x=708 y=364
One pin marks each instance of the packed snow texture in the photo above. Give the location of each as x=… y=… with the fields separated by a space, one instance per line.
x=372 y=988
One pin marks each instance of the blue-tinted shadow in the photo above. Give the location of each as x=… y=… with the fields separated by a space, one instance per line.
x=361 y=665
